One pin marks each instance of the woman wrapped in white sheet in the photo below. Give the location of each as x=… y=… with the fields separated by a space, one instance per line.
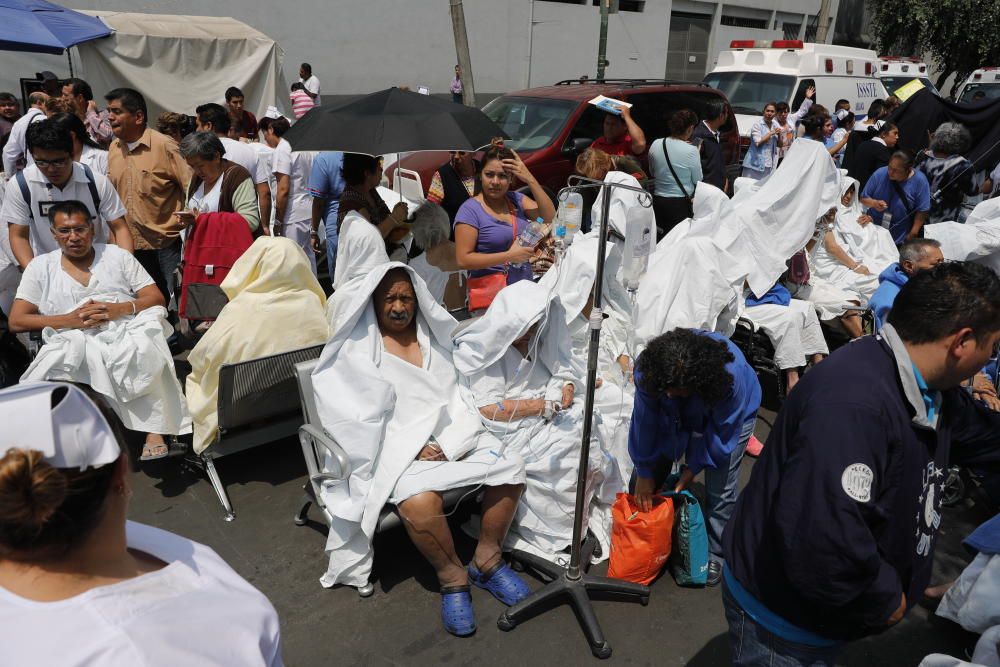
x=517 y=360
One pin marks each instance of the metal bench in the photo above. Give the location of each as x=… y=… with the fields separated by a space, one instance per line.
x=257 y=405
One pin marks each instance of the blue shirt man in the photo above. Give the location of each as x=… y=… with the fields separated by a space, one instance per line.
x=697 y=398
x=902 y=192
x=326 y=183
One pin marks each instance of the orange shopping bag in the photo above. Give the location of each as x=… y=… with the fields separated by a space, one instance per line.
x=640 y=541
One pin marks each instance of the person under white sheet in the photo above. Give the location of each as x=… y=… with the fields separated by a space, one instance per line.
x=517 y=359
x=360 y=250
x=104 y=325
x=80 y=586
x=386 y=388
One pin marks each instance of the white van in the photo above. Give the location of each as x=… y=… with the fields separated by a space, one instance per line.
x=985 y=80
x=752 y=73
x=896 y=71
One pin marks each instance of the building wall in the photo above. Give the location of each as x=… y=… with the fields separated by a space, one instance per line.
x=359 y=47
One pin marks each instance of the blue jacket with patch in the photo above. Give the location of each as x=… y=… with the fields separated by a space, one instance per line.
x=841 y=513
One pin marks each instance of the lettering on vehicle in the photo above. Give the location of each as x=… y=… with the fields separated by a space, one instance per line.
x=867 y=89
x=857 y=482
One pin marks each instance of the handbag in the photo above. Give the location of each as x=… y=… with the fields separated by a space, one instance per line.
x=689 y=559
x=483 y=289
x=690 y=200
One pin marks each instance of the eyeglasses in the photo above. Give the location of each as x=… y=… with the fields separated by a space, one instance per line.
x=61 y=162
x=65 y=232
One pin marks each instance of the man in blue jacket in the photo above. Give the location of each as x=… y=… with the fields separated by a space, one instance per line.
x=696 y=398
x=915 y=255
x=833 y=537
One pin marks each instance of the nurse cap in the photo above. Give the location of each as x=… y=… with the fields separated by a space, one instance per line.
x=73 y=433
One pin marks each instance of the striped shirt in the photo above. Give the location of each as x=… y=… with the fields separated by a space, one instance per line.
x=301 y=103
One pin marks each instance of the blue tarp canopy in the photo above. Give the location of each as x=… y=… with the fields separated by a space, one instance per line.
x=38 y=26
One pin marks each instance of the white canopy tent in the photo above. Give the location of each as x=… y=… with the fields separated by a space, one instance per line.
x=179 y=62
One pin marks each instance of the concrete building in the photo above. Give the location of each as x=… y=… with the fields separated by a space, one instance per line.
x=359 y=47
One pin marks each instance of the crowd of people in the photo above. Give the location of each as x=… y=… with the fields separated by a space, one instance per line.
x=831 y=540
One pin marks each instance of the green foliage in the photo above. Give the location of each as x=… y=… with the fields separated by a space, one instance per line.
x=958 y=35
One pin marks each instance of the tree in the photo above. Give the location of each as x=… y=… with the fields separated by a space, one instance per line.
x=958 y=35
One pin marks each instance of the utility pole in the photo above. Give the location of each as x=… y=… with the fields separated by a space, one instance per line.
x=462 y=49
x=823 y=21
x=602 y=42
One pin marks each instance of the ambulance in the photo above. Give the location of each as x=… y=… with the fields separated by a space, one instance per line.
x=985 y=80
x=896 y=71
x=753 y=73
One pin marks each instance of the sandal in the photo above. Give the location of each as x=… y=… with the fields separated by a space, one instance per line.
x=501 y=581
x=154 y=452
x=456 y=611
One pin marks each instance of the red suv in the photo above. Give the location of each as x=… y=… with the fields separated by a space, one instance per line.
x=549 y=126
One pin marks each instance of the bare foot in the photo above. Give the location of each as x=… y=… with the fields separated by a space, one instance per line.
x=937 y=592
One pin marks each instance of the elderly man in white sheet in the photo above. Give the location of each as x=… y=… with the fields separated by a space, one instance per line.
x=518 y=361
x=387 y=391
x=104 y=325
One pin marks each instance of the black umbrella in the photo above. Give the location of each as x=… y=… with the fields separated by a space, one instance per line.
x=393 y=121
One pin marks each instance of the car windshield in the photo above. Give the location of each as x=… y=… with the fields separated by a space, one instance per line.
x=749 y=92
x=894 y=83
x=991 y=90
x=530 y=122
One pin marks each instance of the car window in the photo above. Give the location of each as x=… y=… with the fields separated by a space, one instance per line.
x=748 y=92
x=530 y=122
x=652 y=110
x=590 y=125
x=800 y=93
x=991 y=90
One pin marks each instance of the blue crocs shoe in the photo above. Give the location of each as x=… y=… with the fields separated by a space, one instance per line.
x=456 y=611
x=504 y=584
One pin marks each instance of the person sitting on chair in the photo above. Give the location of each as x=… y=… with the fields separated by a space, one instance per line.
x=104 y=325
x=915 y=255
x=386 y=386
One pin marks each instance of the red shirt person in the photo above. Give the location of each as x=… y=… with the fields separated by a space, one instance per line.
x=622 y=136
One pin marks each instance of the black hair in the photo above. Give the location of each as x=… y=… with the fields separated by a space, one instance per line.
x=80 y=87
x=886 y=128
x=72 y=124
x=847 y=120
x=69 y=208
x=7 y=97
x=357 y=166
x=233 y=91
x=684 y=359
x=307 y=67
x=680 y=121
x=279 y=126
x=942 y=300
x=714 y=110
x=781 y=107
x=215 y=114
x=496 y=151
x=131 y=100
x=876 y=109
x=49 y=137
x=813 y=124
x=843 y=101
x=906 y=157
x=298 y=86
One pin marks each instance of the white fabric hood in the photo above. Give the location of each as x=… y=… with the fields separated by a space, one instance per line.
x=978 y=240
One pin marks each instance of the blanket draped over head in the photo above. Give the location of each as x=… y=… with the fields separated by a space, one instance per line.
x=275 y=305
x=360 y=249
x=495 y=371
x=382 y=411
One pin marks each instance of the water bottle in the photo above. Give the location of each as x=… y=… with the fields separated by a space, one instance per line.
x=640 y=240
x=886 y=219
x=531 y=235
x=571 y=213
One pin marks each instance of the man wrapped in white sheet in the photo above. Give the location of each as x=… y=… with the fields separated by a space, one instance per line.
x=572 y=279
x=386 y=390
x=978 y=240
x=104 y=325
x=360 y=250
x=517 y=359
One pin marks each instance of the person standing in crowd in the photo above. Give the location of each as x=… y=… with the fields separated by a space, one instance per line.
x=833 y=537
x=86 y=151
x=709 y=143
x=81 y=95
x=836 y=143
x=454 y=182
x=15 y=156
x=456 y=86
x=622 y=135
x=789 y=123
x=950 y=175
x=302 y=102
x=175 y=125
x=900 y=191
x=362 y=174
x=120 y=592
x=762 y=155
x=891 y=104
x=218 y=184
x=214 y=118
x=326 y=184
x=873 y=154
x=309 y=82
x=243 y=123
x=696 y=398
x=10 y=111
x=55 y=177
x=915 y=255
x=676 y=167
x=151 y=177
x=293 y=203
x=487 y=225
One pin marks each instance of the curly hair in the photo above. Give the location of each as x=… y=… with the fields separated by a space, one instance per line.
x=684 y=359
x=951 y=139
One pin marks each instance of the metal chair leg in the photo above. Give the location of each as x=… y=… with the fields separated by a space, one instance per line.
x=302 y=517
x=220 y=490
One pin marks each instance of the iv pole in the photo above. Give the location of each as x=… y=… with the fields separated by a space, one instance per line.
x=573 y=582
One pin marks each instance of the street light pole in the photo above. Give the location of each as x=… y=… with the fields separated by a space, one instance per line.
x=602 y=42
x=823 y=21
x=462 y=50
